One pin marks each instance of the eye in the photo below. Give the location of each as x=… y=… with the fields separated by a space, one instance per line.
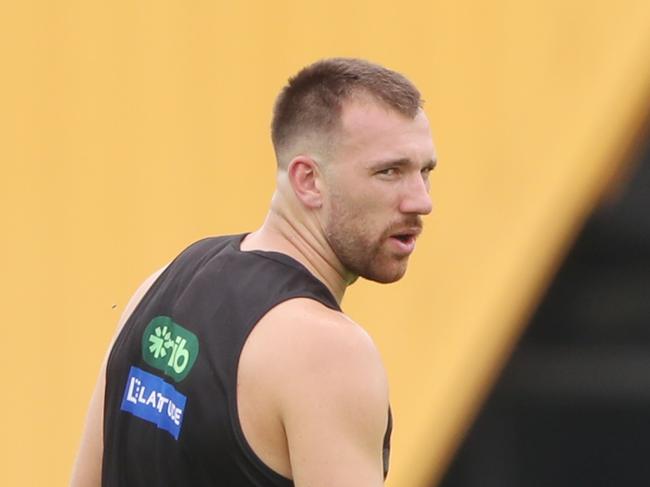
x=426 y=171
x=389 y=171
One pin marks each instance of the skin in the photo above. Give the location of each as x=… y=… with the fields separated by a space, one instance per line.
x=378 y=188
x=312 y=391
x=88 y=464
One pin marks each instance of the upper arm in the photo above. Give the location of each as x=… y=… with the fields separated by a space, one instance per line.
x=333 y=402
x=87 y=467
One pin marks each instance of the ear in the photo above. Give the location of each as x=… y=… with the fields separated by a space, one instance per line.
x=304 y=175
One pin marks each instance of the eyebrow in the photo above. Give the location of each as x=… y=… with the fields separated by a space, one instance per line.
x=379 y=165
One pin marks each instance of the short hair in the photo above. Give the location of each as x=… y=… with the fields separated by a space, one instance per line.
x=312 y=100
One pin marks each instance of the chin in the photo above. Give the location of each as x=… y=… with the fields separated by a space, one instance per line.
x=385 y=276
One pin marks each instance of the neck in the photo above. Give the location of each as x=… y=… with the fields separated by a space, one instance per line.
x=289 y=234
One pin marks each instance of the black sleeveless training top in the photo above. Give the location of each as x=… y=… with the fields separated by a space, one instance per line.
x=170 y=411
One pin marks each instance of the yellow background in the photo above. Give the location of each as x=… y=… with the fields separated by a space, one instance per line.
x=129 y=129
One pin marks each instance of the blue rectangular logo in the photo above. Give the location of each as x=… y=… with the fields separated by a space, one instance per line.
x=149 y=397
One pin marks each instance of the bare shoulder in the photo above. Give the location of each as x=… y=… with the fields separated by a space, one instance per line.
x=315 y=341
x=315 y=323
x=322 y=376
x=302 y=346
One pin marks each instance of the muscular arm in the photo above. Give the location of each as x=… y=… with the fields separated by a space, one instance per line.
x=327 y=383
x=88 y=464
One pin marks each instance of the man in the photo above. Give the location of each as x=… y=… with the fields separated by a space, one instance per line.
x=234 y=366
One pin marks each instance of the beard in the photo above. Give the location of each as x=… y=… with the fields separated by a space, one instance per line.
x=361 y=249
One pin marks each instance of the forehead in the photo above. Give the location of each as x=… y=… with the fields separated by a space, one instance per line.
x=371 y=130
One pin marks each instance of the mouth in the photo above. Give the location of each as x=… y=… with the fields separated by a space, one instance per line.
x=404 y=237
x=404 y=241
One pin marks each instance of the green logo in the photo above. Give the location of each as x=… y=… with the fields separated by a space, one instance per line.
x=169 y=347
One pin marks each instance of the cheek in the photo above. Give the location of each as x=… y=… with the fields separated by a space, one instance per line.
x=369 y=203
x=377 y=206
x=356 y=211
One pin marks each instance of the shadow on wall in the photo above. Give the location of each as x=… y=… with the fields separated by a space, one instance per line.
x=572 y=406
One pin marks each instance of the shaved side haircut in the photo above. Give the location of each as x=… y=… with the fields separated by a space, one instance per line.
x=312 y=101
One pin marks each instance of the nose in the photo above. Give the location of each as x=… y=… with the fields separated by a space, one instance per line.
x=416 y=198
